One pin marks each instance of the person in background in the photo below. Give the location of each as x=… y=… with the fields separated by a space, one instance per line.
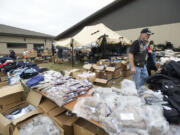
x=153 y=49
x=151 y=61
x=12 y=54
x=53 y=52
x=138 y=54
x=25 y=53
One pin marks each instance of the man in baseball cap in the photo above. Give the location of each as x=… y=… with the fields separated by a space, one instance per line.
x=138 y=56
x=146 y=31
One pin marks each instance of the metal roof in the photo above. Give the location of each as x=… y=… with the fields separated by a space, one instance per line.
x=6 y=30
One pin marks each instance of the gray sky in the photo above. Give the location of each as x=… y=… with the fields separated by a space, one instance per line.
x=47 y=16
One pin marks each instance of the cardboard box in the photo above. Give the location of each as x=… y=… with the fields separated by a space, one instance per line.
x=104 y=62
x=88 y=66
x=58 y=61
x=83 y=127
x=90 y=78
x=6 y=126
x=108 y=75
x=4 y=78
x=117 y=73
x=100 y=74
x=102 y=81
x=2 y=74
x=110 y=69
x=47 y=53
x=117 y=64
x=124 y=65
x=58 y=114
x=125 y=73
x=96 y=67
x=10 y=96
x=2 y=84
x=66 y=122
x=16 y=130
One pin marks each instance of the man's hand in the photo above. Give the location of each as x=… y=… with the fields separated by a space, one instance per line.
x=133 y=70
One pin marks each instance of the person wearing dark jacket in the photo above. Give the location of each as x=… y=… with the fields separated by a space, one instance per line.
x=138 y=58
x=12 y=54
x=151 y=61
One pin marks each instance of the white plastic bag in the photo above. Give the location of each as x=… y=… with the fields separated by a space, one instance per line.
x=156 y=123
x=128 y=88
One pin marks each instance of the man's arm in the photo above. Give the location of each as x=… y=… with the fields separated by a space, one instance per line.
x=131 y=60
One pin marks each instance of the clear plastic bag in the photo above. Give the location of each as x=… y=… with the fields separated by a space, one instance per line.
x=91 y=108
x=128 y=88
x=151 y=97
x=39 y=125
x=156 y=123
x=173 y=130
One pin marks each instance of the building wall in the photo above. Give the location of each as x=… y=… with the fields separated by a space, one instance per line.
x=163 y=33
x=142 y=13
x=137 y=14
x=29 y=41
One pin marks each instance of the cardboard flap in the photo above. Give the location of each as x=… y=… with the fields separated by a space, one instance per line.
x=103 y=81
x=3 y=83
x=26 y=116
x=63 y=119
x=47 y=105
x=3 y=121
x=70 y=121
x=9 y=90
x=56 y=111
x=4 y=125
x=34 y=98
x=98 y=67
x=110 y=69
x=87 y=66
x=15 y=132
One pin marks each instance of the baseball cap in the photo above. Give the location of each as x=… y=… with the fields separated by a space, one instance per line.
x=147 y=31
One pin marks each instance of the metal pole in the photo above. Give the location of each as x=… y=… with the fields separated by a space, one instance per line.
x=72 y=52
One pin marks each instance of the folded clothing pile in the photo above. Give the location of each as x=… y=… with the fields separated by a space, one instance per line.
x=168 y=82
x=39 y=125
x=69 y=91
x=22 y=71
x=62 y=89
x=122 y=111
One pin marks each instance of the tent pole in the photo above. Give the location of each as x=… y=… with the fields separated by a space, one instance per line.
x=72 y=52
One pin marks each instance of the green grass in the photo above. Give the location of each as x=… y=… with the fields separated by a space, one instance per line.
x=68 y=66
x=60 y=67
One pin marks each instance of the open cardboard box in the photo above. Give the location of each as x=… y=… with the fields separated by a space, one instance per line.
x=103 y=82
x=83 y=127
x=11 y=96
x=2 y=73
x=3 y=78
x=88 y=66
x=96 y=67
x=6 y=126
x=16 y=130
x=43 y=106
x=2 y=84
x=58 y=114
x=110 y=69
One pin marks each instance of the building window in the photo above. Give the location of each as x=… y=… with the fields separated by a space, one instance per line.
x=16 y=45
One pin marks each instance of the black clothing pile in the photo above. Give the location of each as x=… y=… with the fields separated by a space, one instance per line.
x=168 y=82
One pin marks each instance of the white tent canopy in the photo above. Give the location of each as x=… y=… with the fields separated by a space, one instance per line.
x=91 y=34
